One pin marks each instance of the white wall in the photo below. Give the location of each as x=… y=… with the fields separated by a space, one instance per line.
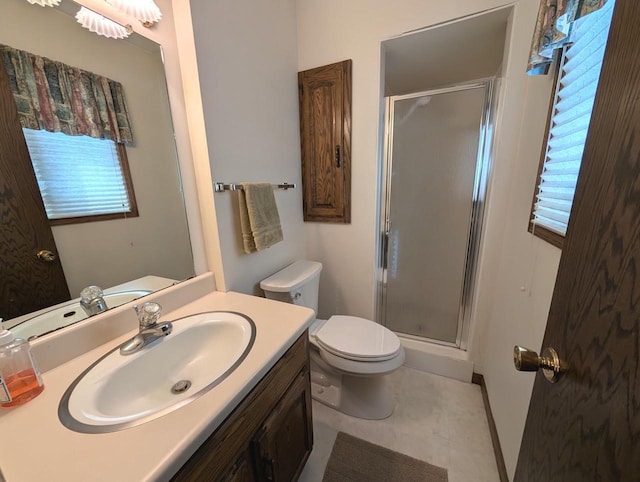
x=524 y=281
x=246 y=56
x=518 y=270
x=442 y=56
x=510 y=257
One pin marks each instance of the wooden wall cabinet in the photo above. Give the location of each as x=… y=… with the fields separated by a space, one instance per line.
x=325 y=136
x=269 y=436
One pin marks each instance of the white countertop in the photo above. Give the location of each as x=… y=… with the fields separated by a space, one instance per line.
x=146 y=283
x=35 y=446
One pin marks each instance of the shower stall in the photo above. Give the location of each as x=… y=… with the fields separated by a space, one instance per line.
x=437 y=160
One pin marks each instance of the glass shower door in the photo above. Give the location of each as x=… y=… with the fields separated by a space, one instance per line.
x=434 y=148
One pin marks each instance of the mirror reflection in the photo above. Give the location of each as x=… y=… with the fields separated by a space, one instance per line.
x=49 y=254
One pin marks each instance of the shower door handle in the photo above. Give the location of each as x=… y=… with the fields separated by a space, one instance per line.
x=385 y=248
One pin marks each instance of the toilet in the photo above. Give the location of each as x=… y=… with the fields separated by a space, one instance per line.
x=350 y=356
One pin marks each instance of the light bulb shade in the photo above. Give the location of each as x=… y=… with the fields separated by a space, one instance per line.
x=44 y=3
x=144 y=10
x=96 y=23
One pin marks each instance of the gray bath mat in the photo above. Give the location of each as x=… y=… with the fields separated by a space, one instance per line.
x=353 y=459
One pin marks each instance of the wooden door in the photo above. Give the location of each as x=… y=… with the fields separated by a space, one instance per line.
x=325 y=136
x=587 y=425
x=27 y=283
x=285 y=440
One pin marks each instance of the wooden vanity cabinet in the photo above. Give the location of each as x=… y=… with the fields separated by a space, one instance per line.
x=269 y=436
x=241 y=470
x=286 y=438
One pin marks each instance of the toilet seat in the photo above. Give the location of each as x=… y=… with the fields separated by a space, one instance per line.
x=357 y=339
x=363 y=368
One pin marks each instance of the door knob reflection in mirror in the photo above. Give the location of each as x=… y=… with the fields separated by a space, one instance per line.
x=46 y=255
x=527 y=360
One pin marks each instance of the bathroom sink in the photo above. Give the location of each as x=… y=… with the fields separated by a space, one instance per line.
x=68 y=314
x=118 y=391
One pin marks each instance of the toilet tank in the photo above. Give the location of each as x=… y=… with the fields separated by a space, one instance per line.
x=297 y=283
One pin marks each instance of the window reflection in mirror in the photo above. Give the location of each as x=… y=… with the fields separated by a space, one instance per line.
x=119 y=255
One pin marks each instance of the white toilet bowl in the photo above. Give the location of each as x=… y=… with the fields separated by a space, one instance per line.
x=350 y=356
x=350 y=360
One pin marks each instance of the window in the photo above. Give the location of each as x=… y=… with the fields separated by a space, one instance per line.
x=569 y=117
x=81 y=178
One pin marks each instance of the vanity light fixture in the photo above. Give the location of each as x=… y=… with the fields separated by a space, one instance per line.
x=44 y=3
x=100 y=25
x=146 y=11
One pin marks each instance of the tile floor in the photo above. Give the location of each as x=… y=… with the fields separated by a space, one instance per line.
x=437 y=419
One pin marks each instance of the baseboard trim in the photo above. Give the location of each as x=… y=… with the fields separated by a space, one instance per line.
x=478 y=379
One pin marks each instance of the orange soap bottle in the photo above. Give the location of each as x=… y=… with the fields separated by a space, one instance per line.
x=20 y=379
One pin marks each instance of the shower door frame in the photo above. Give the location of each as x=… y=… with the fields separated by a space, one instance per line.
x=479 y=195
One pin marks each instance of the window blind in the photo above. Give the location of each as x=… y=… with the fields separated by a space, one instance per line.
x=77 y=175
x=574 y=97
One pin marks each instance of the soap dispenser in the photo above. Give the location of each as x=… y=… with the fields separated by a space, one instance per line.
x=20 y=379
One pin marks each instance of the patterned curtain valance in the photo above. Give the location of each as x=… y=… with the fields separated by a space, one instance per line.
x=553 y=29
x=56 y=97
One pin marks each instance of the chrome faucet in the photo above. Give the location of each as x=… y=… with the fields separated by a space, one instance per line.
x=150 y=329
x=92 y=301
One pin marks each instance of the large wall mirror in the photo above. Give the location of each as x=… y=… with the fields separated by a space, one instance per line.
x=129 y=256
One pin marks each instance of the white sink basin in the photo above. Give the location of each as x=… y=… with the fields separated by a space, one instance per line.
x=68 y=314
x=120 y=391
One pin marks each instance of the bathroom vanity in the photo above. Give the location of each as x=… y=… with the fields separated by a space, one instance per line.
x=254 y=425
x=269 y=436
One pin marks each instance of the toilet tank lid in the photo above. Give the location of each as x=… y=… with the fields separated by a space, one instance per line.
x=292 y=277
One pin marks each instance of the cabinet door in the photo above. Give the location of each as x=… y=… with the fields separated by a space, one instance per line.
x=325 y=134
x=284 y=442
x=241 y=470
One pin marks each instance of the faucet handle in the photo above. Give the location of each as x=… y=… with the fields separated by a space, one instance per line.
x=91 y=293
x=92 y=301
x=148 y=314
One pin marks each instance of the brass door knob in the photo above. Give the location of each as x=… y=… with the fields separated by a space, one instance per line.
x=527 y=360
x=46 y=255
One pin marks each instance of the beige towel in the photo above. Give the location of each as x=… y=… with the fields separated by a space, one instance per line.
x=259 y=219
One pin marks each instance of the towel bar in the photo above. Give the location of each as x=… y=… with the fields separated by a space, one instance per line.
x=221 y=186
